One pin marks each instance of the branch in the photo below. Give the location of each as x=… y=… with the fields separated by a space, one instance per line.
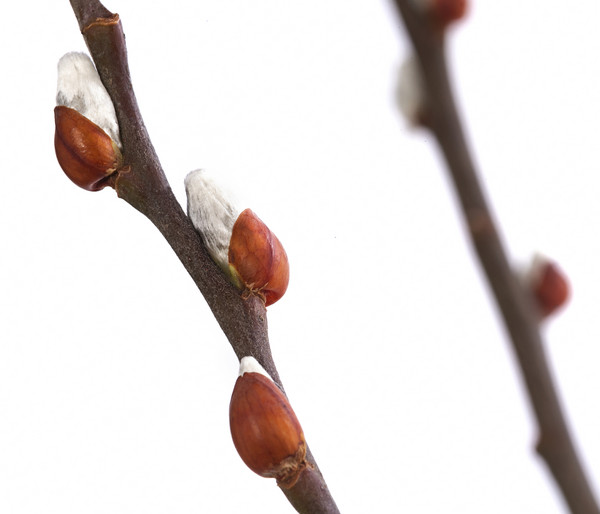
x=144 y=186
x=555 y=443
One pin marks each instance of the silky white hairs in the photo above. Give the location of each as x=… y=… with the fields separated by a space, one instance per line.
x=212 y=215
x=250 y=365
x=80 y=88
x=410 y=91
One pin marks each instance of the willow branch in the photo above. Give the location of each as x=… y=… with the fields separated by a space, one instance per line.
x=144 y=186
x=555 y=444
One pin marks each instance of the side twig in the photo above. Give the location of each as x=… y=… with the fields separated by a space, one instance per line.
x=145 y=187
x=555 y=444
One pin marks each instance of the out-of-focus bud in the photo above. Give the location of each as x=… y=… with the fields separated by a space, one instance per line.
x=264 y=428
x=448 y=11
x=410 y=93
x=86 y=140
x=443 y=12
x=242 y=245
x=548 y=284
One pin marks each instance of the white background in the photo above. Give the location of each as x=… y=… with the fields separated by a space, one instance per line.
x=115 y=379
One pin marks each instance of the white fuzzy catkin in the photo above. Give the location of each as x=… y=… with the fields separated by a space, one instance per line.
x=251 y=365
x=410 y=91
x=80 y=88
x=531 y=275
x=212 y=215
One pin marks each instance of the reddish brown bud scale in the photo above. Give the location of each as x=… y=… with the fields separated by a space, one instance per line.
x=84 y=151
x=448 y=11
x=265 y=430
x=551 y=288
x=257 y=257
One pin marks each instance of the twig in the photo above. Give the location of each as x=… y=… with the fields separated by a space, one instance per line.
x=145 y=187
x=555 y=443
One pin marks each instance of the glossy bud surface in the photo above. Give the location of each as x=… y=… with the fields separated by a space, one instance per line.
x=257 y=258
x=265 y=430
x=84 y=151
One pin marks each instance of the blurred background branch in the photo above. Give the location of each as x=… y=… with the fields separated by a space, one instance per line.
x=427 y=30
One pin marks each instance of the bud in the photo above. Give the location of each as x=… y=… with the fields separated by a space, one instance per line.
x=548 y=284
x=243 y=246
x=84 y=151
x=86 y=140
x=80 y=88
x=212 y=213
x=264 y=428
x=448 y=11
x=443 y=12
x=258 y=258
x=410 y=93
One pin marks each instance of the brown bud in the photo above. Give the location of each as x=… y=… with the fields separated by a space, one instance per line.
x=257 y=258
x=84 y=151
x=265 y=430
x=549 y=286
x=446 y=12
